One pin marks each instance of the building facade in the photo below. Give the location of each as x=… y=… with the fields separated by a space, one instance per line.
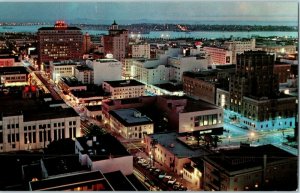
x=141 y=50
x=219 y=55
x=116 y=42
x=105 y=70
x=84 y=74
x=61 y=69
x=254 y=94
x=130 y=123
x=124 y=88
x=60 y=42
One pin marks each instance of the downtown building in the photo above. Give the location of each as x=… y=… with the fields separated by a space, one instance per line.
x=254 y=97
x=60 y=42
x=116 y=42
x=30 y=122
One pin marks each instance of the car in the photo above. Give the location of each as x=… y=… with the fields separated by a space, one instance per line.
x=152 y=169
x=141 y=161
x=182 y=188
x=162 y=175
x=168 y=177
x=176 y=187
x=172 y=181
x=148 y=166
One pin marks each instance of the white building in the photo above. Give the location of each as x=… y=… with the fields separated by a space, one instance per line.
x=61 y=69
x=130 y=123
x=104 y=153
x=35 y=127
x=239 y=46
x=181 y=64
x=105 y=70
x=13 y=76
x=140 y=50
x=124 y=88
x=84 y=74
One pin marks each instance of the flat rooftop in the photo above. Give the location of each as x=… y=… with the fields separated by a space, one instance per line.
x=106 y=146
x=62 y=164
x=247 y=157
x=124 y=83
x=94 y=108
x=32 y=109
x=70 y=181
x=83 y=68
x=106 y=60
x=170 y=87
x=54 y=28
x=71 y=81
x=130 y=117
x=119 y=182
x=13 y=70
x=169 y=141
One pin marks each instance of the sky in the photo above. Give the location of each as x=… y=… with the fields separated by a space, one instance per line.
x=134 y=11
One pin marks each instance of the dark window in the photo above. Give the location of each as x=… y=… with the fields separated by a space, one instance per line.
x=34 y=137
x=63 y=124
x=74 y=122
x=59 y=124
x=25 y=138
x=13 y=138
x=29 y=128
x=55 y=124
x=30 y=137
x=12 y=126
x=49 y=135
x=1 y=137
x=70 y=122
x=17 y=137
x=70 y=132
x=74 y=131
x=55 y=134
x=25 y=128
x=49 y=125
x=40 y=136
x=0 y=127
x=8 y=126
x=8 y=138
x=13 y=146
x=63 y=133
x=33 y=127
x=17 y=125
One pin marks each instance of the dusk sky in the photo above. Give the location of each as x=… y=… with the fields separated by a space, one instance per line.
x=131 y=11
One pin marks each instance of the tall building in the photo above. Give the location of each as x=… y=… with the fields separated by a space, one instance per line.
x=254 y=94
x=60 y=42
x=116 y=42
x=87 y=43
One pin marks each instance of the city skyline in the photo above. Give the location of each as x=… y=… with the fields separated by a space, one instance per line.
x=125 y=12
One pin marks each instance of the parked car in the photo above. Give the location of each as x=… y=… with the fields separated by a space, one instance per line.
x=141 y=161
x=162 y=175
x=168 y=177
x=151 y=169
x=182 y=188
x=172 y=181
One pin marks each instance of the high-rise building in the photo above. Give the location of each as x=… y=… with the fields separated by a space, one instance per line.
x=87 y=43
x=254 y=94
x=60 y=42
x=116 y=42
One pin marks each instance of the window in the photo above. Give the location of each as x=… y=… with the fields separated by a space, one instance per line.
x=13 y=146
x=33 y=127
x=74 y=131
x=13 y=126
x=13 y=138
x=8 y=138
x=8 y=126
x=49 y=125
x=63 y=124
x=34 y=137
x=70 y=132
x=74 y=122
x=40 y=136
x=55 y=134
x=70 y=122
x=49 y=135
x=29 y=128
x=55 y=124
x=1 y=137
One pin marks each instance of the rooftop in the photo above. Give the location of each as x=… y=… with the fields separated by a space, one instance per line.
x=13 y=104
x=247 y=157
x=119 y=182
x=94 y=108
x=62 y=164
x=67 y=182
x=169 y=141
x=170 y=87
x=13 y=70
x=130 y=117
x=103 y=148
x=53 y=28
x=71 y=81
x=83 y=68
x=123 y=83
x=106 y=60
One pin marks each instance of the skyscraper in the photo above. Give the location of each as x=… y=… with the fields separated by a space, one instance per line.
x=60 y=42
x=116 y=42
x=254 y=94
